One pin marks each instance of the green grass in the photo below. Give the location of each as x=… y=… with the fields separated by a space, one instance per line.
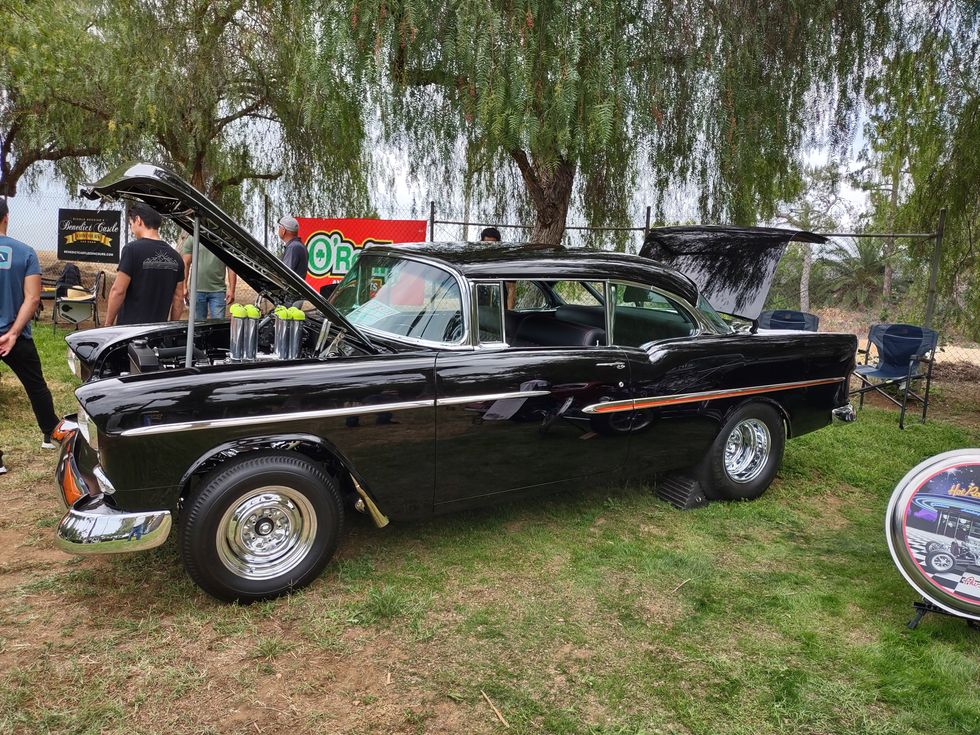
x=593 y=612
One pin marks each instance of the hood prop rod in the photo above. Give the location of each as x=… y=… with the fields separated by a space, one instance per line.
x=192 y=296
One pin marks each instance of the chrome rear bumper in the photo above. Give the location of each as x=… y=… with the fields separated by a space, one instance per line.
x=845 y=413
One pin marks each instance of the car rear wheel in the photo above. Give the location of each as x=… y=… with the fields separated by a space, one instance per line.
x=745 y=456
x=261 y=526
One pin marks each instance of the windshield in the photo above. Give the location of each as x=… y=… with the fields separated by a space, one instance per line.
x=402 y=298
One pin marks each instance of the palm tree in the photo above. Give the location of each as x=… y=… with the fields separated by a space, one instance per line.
x=854 y=272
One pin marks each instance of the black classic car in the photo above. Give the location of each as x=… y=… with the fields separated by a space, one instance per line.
x=437 y=377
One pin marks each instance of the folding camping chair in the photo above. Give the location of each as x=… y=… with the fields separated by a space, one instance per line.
x=49 y=291
x=903 y=351
x=786 y=319
x=79 y=304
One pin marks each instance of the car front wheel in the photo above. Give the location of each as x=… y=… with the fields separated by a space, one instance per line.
x=261 y=526
x=745 y=456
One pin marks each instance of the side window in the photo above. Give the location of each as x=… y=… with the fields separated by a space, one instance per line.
x=642 y=315
x=569 y=314
x=578 y=293
x=489 y=312
x=528 y=296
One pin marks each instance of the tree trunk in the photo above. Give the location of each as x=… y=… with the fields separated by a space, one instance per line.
x=551 y=192
x=805 y=277
x=886 y=282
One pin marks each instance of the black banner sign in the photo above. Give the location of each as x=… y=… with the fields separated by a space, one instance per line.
x=88 y=235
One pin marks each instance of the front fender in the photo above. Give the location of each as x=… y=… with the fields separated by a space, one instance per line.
x=315 y=447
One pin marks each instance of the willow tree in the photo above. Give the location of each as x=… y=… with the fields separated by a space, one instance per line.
x=588 y=99
x=923 y=136
x=222 y=92
x=54 y=76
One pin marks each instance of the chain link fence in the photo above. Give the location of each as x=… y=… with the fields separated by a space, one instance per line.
x=34 y=221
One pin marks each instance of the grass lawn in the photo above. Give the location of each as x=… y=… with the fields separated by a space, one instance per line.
x=599 y=611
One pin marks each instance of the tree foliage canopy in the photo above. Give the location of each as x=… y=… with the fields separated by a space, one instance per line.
x=54 y=72
x=923 y=134
x=220 y=90
x=713 y=95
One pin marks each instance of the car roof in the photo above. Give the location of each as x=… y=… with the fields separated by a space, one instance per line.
x=544 y=262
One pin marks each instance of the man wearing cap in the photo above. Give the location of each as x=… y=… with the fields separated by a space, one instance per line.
x=294 y=255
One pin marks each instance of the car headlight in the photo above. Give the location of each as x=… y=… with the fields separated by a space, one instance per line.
x=87 y=429
x=73 y=364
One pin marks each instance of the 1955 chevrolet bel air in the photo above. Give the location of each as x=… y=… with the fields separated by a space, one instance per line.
x=436 y=377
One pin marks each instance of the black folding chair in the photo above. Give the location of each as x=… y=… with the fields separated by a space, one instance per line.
x=48 y=293
x=906 y=353
x=787 y=319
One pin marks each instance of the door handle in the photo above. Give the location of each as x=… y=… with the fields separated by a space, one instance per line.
x=619 y=365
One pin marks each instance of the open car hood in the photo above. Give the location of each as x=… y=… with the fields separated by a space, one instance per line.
x=176 y=199
x=733 y=267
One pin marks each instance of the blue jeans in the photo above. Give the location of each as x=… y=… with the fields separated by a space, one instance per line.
x=210 y=305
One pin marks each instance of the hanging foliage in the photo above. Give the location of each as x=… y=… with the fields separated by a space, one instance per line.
x=586 y=99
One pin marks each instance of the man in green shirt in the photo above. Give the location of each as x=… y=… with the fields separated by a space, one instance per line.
x=213 y=292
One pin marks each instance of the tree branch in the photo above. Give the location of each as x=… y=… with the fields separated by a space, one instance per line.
x=530 y=176
x=255 y=106
x=240 y=178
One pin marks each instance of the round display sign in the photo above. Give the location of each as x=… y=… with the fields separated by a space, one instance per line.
x=933 y=530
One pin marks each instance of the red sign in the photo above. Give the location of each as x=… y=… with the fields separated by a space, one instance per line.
x=332 y=245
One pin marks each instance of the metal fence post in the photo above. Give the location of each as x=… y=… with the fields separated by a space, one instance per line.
x=192 y=296
x=646 y=228
x=265 y=220
x=432 y=221
x=937 y=255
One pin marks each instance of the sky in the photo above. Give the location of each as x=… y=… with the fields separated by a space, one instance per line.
x=34 y=213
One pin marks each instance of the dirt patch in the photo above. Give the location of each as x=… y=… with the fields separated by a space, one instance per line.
x=958 y=371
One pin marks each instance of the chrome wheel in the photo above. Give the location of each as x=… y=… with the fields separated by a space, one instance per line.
x=941 y=562
x=747 y=450
x=266 y=532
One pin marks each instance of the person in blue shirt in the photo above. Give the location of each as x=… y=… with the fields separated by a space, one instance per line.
x=294 y=254
x=20 y=294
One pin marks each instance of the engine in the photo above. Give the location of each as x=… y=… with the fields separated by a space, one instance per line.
x=283 y=334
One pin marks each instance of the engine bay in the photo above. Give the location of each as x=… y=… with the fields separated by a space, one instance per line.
x=312 y=337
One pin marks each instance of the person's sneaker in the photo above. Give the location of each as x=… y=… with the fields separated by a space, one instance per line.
x=53 y=439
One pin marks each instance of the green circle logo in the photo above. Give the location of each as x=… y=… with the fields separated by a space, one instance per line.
x=320 y=247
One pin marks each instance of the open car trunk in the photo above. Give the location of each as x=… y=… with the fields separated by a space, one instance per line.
x=733 y=267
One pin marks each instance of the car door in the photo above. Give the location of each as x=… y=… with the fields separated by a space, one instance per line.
x=511 y=416
x=668 y=356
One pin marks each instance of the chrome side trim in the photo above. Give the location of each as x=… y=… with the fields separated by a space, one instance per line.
x=682 y=398
x=92 y=527
x=457 y=400
x=275 y=418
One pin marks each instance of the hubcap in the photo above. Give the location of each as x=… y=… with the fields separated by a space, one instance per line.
x=266 y=532
x=747 y=450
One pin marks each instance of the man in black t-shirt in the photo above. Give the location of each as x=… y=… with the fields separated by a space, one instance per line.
x=149 y=283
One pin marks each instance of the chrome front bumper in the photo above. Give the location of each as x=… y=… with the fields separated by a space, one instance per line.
x=845 y=413
x=91 y=526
